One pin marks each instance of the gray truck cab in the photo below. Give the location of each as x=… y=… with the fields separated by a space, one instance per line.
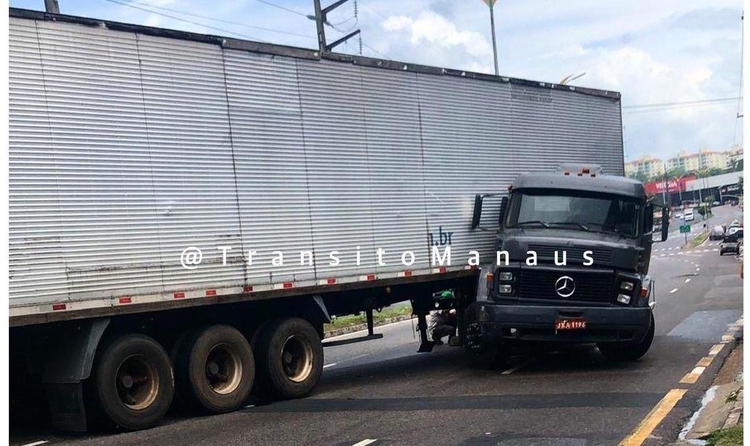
x=574 y=248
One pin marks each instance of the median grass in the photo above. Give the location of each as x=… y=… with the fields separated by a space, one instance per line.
x=731 y=436
x=700 y=238
x=361 y=319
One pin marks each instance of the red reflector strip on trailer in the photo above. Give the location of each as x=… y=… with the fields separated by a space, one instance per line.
x=442 y=269
x=56 y=307
x=210 y=292
x=125 y=300
x=407 y=273
x=248 y=289
x=331 y=281
x=288 y=285
x=179 y=295
x=371 y=277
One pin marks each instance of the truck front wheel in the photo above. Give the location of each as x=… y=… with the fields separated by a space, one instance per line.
x=132 y=382
x=289 y=355
x=215 y=369
x=628 y=351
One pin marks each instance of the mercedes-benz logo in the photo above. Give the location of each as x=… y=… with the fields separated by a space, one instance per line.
x=565 y=286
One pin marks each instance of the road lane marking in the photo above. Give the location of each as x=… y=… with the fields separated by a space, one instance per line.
x=673 y=291
x=513 y=369
x=36 y=443
x=727 y=338
x=657 y=414
x=330 y=365
x=693 y=376
x=687 y=280
x=705 y=361
x=365 y=442
x=715 y=349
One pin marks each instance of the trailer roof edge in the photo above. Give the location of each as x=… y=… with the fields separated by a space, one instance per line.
x=296 y=52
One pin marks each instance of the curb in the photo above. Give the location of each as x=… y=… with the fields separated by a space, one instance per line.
x=700 y=424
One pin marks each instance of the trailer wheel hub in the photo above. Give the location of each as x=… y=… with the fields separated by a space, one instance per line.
x=223 y=369
x=137 y=382
x=297 y=358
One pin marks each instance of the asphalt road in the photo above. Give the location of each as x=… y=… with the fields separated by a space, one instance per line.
x=384 y=391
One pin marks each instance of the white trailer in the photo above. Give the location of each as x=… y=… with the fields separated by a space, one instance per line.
x=130 y=146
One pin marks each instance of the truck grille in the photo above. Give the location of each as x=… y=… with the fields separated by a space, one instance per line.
x=590 y=286
x=601 y=256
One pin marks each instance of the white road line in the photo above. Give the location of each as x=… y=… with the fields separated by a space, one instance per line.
x=687 y=280
x=673 y=291
x=36 y=443
x=365 y=442
x=671 y=253
x=330 y=365
x=513 y=369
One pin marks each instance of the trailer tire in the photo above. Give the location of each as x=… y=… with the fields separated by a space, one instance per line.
x=629 y=351
x=215 y=369
x=132 y=382
x=289 y=354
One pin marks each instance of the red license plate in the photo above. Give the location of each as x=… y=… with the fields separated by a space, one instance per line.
x=570 y=324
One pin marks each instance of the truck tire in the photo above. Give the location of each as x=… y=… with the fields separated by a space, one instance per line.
x=482 y=354
x=215 y=369
x=132 y=382
x=289 y=355
x=628 y=351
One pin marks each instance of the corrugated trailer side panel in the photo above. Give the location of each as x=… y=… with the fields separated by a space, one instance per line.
x=271 y=165
x=127 y=148
x=37 y=267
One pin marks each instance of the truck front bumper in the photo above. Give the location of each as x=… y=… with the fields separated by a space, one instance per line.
x=506 y=323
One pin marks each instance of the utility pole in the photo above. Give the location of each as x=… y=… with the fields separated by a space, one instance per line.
x=321 y=19
x=51 y=6
x=491 y=4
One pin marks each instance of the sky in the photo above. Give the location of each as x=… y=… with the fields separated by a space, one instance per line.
x=653 y=52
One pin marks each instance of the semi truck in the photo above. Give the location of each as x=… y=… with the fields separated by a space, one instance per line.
x=187 y=211
x=577 y=246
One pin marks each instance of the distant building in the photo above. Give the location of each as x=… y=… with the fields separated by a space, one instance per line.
x=646 y=166
x=735 y=155
x=704 y=159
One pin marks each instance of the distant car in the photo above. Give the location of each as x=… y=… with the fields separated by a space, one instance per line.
x=678 y=216
x=717 y=233
x=731 y=243
x=689 y=216
x=734 y=224
x=716 y=203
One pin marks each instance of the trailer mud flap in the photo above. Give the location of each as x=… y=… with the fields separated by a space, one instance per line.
x=69 y=359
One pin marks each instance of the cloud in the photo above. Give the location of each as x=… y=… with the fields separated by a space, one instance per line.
x=430 y=28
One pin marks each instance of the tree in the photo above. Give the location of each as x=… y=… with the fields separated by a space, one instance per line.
x=677 y=172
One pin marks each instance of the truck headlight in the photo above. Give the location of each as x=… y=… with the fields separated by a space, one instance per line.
x=623 y=299
x=627 y=286
x=505 y=276
x=504 y=289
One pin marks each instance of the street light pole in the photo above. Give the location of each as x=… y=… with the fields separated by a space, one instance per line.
x=491 y=4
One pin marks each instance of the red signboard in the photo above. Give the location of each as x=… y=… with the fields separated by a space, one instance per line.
x=671 y=186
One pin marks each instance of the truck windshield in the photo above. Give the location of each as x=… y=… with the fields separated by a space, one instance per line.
x=575 y=210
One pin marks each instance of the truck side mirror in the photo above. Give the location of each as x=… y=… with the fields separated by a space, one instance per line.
x=503 y=208
x=477 y=211
x=664 y=224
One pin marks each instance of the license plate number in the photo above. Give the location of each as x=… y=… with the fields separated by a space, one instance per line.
x=570 y=324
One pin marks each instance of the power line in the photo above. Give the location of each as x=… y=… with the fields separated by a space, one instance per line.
x=284 y=8
x=185 y=20
x=671 y=104
x=229 y=22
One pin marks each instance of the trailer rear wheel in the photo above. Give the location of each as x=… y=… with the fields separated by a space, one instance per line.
x=215 y=369
x=290 y=358
x=133 y=383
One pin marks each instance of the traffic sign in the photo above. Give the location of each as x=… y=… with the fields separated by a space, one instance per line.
x=684 y=229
